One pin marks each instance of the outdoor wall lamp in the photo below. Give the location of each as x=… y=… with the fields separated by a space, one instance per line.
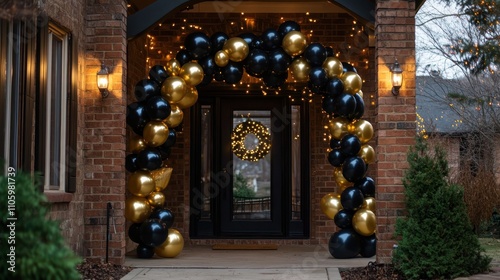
x=103 y=80
x=396 y=77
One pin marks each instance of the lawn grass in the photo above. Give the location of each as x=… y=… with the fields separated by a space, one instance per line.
x=492 y=248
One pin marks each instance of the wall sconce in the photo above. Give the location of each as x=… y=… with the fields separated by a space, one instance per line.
x=103 y=80
x=396 y=77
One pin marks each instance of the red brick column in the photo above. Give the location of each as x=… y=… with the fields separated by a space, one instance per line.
x=395 y=115
x=104 y=128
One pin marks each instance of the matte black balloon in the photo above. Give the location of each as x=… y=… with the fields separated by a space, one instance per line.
x=209 y=67
x=367 y=186
x=279 y=61
x=165 y=216
x=315 y=54
x=134 y=232
x=164 y=152
x=153 y=233
x=145 y=89
x=145 y=252
x=334 y=143
x=368 y=246
x=344 y=244
x=351 y=198
x=343 y=218
x=149 y=158
x=335 y=87
x=318 y=77
x=360 y=107
x=336 y=158
x=131 y=163
x=183 y=56
x=158 y=74
x=288 y=26
x=328 y=104
x=345 y=104
x=249 y=38
x=350 y=145
x=197 y=44
x=270 y=39
x=257 y=63
x=329 y=51
x=136 y=117
x=353 y=169
x=217 y=41
x=157 y=108
x=348 y=67
x=273 y=80
x=233 y=72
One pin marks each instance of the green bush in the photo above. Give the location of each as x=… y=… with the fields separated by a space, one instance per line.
x=241 y=187
x=39 y=248
x=437 y=240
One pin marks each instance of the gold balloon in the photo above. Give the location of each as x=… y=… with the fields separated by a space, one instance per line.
x=176 y=116
x=352 y=82
x=172 y=246
x=174 y=88
x=189 y=99
x=136 y=144
x=156 y=199
x=137 y=209
x=294 y=43
x=364 y=222
x=173 y=67
x=341 y=188
x=360 y=94
x=367 y=153
x=299 y=68
x=333 y=67
x=369 y=204
x=341 y=181
x=221 y=58
x=155 y=133
x=362 y=129
x=236 y=48
x=161 y=176
x=140 y=183
x=192 y=73
x=338 y=127
x=330 y=205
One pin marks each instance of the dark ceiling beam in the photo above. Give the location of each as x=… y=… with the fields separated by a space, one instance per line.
x=364 y=9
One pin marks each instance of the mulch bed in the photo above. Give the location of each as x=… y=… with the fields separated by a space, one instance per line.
x=373 y=271
x=96 y=270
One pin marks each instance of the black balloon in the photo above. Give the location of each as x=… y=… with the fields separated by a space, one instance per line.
x=209 y=67
x=257 y=62
x=217 y=41
x=348 y=67
x=279 y=61
x=197 y=44
x=351 y=198
x=315 y=54
x=328 y=104
x=368 y=246
x=165 y=216
x=136 y=117
x=334 y=87
x=164 y=152
x=153 y=233
x=145 y=252
x=249 y=38
x=344 y=244
x=131 y=163
x=158 y=74
x=172 y=138
x=343 y=218
x=273 y=80
x=134 y=232
x=288 y=26
x=345 y=104
x=360 y=107
x=183 y=57
x=257 y=43
x=350 y=145
x=318 y=77
x=149 y=158
x=233 y=72
x=329 y=51
x=336 y=158
x=219 y=75
x=353 y=169
x=157 y=108
x=270 y=39
x=334 y=143
x=145 y=89
x=367 y=186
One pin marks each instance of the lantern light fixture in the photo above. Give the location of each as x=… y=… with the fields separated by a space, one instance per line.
x=103 y=80
x=396 y=77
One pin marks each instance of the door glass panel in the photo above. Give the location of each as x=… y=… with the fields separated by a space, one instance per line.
x=206 y=160
x=252 y=179
x=296 y=179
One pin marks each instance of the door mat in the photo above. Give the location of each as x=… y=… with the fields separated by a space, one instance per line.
x=245 y=247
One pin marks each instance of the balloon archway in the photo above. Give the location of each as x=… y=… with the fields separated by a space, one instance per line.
x=270 y=56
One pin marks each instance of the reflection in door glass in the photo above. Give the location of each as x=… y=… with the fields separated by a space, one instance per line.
x=252 y=179
x=296 y=180
x=206 y=159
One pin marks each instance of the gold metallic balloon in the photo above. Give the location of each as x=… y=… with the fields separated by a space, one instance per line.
x=352 y=82
x=176 y=116
x=345 y=185
x=299 y=68
x=174 y=88
x=367 y=153
x=140 y=183
x=294 y=43
x=137 y=209
x=192 y=73
x=360 y=93
x=236 y=48
x=173 y=67
x=341 y=181
x=333 y=67
x=136 y=144
x=363 y=129
x=364 y=222
x=189 y=99
x=161 y=176
x=338 y=127
x=330 y=205
x=369 y=204
x=155 y=133
x=172 y=246
x=156 y=199
x=221 y=58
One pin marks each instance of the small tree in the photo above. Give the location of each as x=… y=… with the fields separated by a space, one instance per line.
x=241 y=187
x=437 y=240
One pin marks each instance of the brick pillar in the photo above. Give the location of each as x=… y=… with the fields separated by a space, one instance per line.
x=395 y=115
x=104 y=128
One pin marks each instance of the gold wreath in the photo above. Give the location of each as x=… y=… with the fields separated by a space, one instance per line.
x=239 y=134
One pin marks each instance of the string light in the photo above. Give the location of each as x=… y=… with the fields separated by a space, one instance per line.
x=239 y=134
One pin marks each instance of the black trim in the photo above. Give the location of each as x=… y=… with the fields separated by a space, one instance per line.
x=72 y=116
